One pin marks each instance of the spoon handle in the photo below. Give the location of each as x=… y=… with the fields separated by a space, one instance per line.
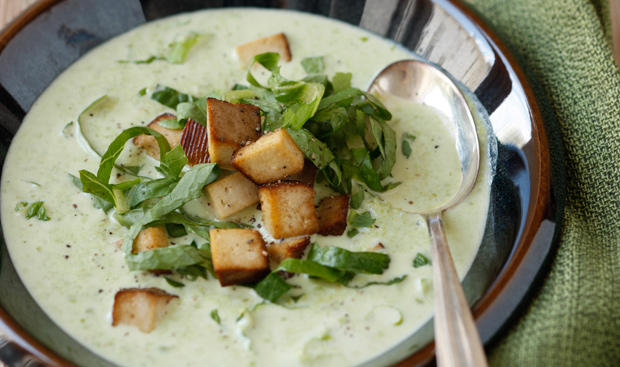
x=457 y=342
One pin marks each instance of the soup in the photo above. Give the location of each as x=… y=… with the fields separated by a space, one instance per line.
x=72 y=267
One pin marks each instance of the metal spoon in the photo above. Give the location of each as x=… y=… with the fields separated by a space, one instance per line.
x=457 y=341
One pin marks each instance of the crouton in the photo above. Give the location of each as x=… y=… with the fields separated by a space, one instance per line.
x=229 y=127
x=232 y=194
x=149 y=144
x=288 y=209
x=307 y=174
x=272 y=157
x=279 y=251
x=140 y=307
x=150 y=238
x=195 y=143
x=274 y=43
x=239 y=255
x=332 y=213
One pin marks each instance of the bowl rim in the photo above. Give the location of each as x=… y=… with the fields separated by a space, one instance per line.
x=540 y=200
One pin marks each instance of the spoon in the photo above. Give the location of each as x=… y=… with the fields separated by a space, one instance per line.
x=456 y=338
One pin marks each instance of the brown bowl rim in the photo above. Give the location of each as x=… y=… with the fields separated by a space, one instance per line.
x=539 y=200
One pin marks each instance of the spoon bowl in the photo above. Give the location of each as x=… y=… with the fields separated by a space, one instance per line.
x=423 y=83
x=456 y=337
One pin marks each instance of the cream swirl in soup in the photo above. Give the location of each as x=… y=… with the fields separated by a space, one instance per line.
x=72 y=266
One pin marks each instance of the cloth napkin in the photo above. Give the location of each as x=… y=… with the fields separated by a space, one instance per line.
x=564 y=47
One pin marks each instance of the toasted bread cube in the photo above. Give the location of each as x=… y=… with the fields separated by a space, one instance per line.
x=238 y=255
x=232 y=194
x=229 y=127
x=150 y=238
x=274 y=43
x=279 y=251
x=307 y=174
x=332 y=214
x=149 y=144
x=288 y=209
x=195 y=142
x=140 y=307
x=272 y=157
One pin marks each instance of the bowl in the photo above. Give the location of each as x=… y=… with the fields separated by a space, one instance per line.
x=50 y=35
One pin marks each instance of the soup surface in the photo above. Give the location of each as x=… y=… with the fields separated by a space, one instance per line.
x=72 y=267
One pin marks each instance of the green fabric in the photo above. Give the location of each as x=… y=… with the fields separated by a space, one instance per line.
x=564 y=47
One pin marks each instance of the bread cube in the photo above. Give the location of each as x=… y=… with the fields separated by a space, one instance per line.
x=140 y=307
x=307 y=174
x=150 y=238
x=274 y=43
x=229 y=127
x=288 y=209
x=272 y=157
x=279 y=251
x=149 y=144
x=195 y=142
x=332 y=213
x=239 y=255
x=232 y=194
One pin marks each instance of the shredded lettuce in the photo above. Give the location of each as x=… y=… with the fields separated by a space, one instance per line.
x=324 y=118
x=328 y=263
x=420 y=260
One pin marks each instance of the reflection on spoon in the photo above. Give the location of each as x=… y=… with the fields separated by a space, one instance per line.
x=456 y=337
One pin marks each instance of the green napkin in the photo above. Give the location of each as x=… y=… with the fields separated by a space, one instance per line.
x=564 y=47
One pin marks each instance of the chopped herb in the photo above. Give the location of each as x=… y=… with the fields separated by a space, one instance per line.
x=170 y=97
x=179 y=48
x=357 y=262
x=216 y=316
x=98 y=202
x=420 y=260
x=315 y=269
x=323 y=117
x=405 y=146
x=387 y=282
x=364 y=39
x=356 y=199
x=142 y=92
x=21 y=205
x=352 y=232
x=341 y=81
x=313 y=148
x=176 y=53
x=328 y=263
x=272 y=287
x=37 y=209
x=150 y=189
x=361 y=220
x=313 y=65
x=195 y=110
x=188 y=188
x=165 y=258
x=99 y=185
x=174 y=283
x=172 y=162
